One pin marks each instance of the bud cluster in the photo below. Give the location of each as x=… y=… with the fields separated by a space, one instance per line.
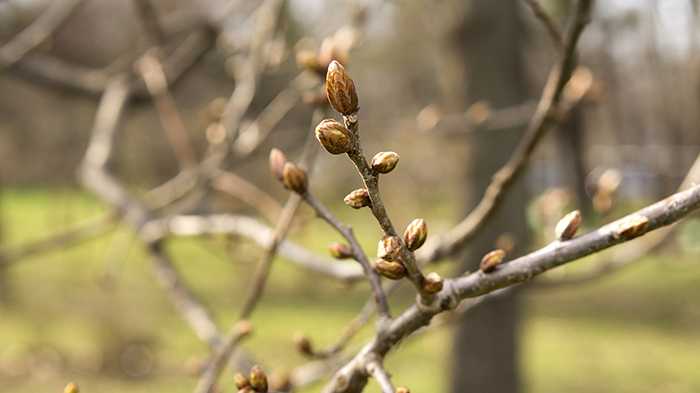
x=255 y=382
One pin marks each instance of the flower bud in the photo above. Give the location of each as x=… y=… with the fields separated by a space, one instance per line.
x=392 y=270
x=432 y=283
x=277 y=161
x=358 y=199
x=240 y=380
x=308 y=60
x=334 y=137
x=415 y=234
x=389 y=248
x=258 y=379
x=491 y=260
x=302 y=344
x=632 y=227
x=566 y=227
x=72 y=387
x=385 y=162
x=246 y=389
x=402 y=389
x=341 y=89
x=340 y=251
x=295 y=178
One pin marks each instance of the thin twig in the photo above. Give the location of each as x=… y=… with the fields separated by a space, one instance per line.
x=523 y=269
x=544 y=117
x=75 y=234
x=157 y=85
x=372 y=276
x=42 y=28
x=247 y=192
x=548 y=23
x=371 y=180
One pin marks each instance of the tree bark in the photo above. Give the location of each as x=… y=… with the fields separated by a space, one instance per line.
x=485 y=350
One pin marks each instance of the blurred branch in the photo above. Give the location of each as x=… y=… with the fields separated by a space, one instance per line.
x=157 y=85
x=376 y=370
x=384 y=315
x=545 y=116
x=549 y=23
x=247 y=192
x=78 y=233
x=38 y=31
x=627 y=253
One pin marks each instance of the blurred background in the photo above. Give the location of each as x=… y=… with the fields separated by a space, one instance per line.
x=449 y=85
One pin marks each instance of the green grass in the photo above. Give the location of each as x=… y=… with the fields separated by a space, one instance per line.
x=635 y=331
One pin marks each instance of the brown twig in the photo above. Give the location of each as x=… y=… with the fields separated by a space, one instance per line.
x=75 y=234
x=350 y=378
x=157 y=85
x=42 y=28
x=544 y=117
x=548 y=23
x=371 y=181
x=375 y=283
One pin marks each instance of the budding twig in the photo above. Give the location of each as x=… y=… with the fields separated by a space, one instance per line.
x=542 y=120
x=372 y=276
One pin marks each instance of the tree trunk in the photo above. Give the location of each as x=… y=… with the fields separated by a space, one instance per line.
x=485 y=350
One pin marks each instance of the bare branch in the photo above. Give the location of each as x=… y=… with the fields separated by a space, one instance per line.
x=372 y=276
x=544 y=117
x=75 y=234
x=247 y=192
x=548 y=23
x=157 y=85
x=49 y=20
x=350 y=377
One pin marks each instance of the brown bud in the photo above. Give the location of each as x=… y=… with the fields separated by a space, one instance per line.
x=302 y=344
x=632 y=227
x=340 y=251
x=277 y=161
x=295 y=178
x=258 y=379
x=402 y=389
x=243 y=328
x=491 y=260
x=432 y=283
x=358 y=199
x=566 y=227
x=389 y=248
x=240 y=380
x=341 y=89
x=385 y=162
x=334 y=137
x=415 y=234
x=392 y=270
x=72 y=387
x=246 y=389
